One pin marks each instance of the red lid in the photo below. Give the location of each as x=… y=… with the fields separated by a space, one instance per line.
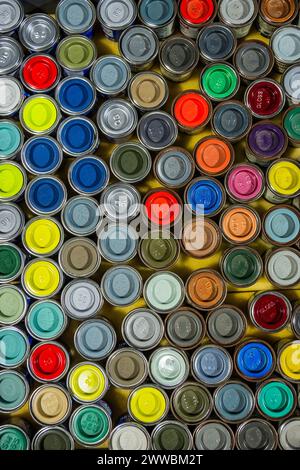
x=162 y=207
x=197 y=11
x=264 y=98
x=40 y=72
x=191 y=109
x=48 y=361
x=270 y=311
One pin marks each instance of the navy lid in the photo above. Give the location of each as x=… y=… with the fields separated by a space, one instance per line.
x=88 y=175
x=212 y=365
x=206 y=193
x=77 y=135
x=46 y=194
x=255 y=360
x=216 y=42
x=42 y=155
x=75 y=95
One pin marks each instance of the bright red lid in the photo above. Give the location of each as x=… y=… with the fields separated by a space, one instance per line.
x=270 y=311
x=40 y=72
x=191 y=109
x=264 y=98
x=197 y=11
x=48 y=361
x=162 y=207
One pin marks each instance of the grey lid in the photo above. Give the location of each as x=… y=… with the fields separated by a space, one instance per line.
x=237 y=12
x=179 y=54
x=110 y=74
x=291 y=82
x=142 y=329
x=231 y=119
x=138 y=44
x=296 y=320
x=283 y=267
x=168 y=367
x=256 y=434
x=11 y=55
x=226 y=325
x=11 y=15
x=39 y=32
x=211 y=365
x=120 y=201
x=81 y=215
x=11 y=221
x=117 y=118
x=252 y=59
x=289 y=434
x=285 y=43
x=81 y=299
x=11 y=95
x=157 y=130
x=95 y=339
x=174 y=167
x=184 y=328
x=129 y=436
x=116 y=14
x=121 y=285
x=118 y=242
x=234 y=401
x=75 y=16
x=213 y=436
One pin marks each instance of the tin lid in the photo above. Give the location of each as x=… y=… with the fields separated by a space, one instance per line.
x=270 y=310
x=245 y=182
x=120 y=201
x=241 y=266
x=185 y=328
x=138 y=44
x=11 y=139
x=13 y=438
x=80 y=424
x=39 y=114
x=81 y=299
x=11 y=96
x=81 y=215
x=240 y=224
x=117 y=118
x=162 y=207
x=231 y=120
x=142 y=329
x=170 y=436
x=168 y=367
x=290 y=83
x=121 y=285
x=283 y=177
x=75 y=17
x=39 y=32
x=148 y=404
x=267 y=140
x=42 y=236
x=285 y=43
x=205 y=196
x=45 y=320
x=95 y=339
x=211 y=365
x=234 y=401
x=110 y=74
x=116 y=14
x=265 y=98
x=197 y=12
x=191 y=110
x=130 y=162
x=226 y=325
x=157 y=13
x=129 y=436
x=289 y=434
x=76 y=53
x=14 y=391
x=255 y=360
x=53 y=438
x=50 y=404
x=12 y=55
x=253 y=59
x=48 y=361
x=283 y=267
x=174 y=167
x=201 y=238
x=11 y=16
x=11 y=221
x=216 y=42
x=87 y=382
x=41 y=155
x=78 y=135
x=164 y=291
x=159 y=249
x=12 y=181
x=191 y=403
x=46 y=195
x=256 y=434
x=213 y=155
x=127 y=368
x=178 y=54
x=75 y=95
x=11 y=259
x=276 y=399
x=287 y=361
x=148 y=91
x=278 y=11
x=41 y=278
x=213 y=435
x=219 y=81
x=14 y=347
x=88 y=175
x=205 y=289
x=157 y=130
x=282 y=225
x=238 y=12
x=118 y=242
x=79 y=257
x=13 y=305
x=40 y=72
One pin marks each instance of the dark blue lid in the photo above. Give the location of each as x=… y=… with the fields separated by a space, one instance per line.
x=156 y=12
x=231 y=120
x=42 y=155
x=88 y=175
x=234 y=401
x=206 y=192
x=212 y=365
x=46 y=194
x=77 y=135
x=254 y=360
x=76 y=95
x=216 y=41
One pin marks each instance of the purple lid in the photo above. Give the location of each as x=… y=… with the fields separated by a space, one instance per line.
x=266 y=140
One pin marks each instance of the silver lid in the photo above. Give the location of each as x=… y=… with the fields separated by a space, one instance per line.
x=142 y=329
x=39 y=32
x=11 y=15
x=116 y=14
x=117 y=118
x=81 y=299
x=75 y=17
x=285 y=44
x=11 y=221
x=11 y=55
x=237 y=13
x=11 y=95
x=120 y=201
x=138 y=44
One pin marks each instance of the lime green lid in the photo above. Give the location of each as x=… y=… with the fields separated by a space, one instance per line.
x=12 y=438
x=291 y=123
x=219 y=81
x=76 y=53
x=276 y=399
x=90 y=425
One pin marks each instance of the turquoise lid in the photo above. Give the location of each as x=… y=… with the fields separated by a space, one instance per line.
x=90 y=424
x=13 y=347
x=45 y=320
x=276 y=399
x=282 y=225
x=11 y=139
x=13 y=438
x=13 y=390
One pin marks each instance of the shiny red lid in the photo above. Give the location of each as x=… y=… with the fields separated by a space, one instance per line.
x=40 y=72
x=264 y=98
x=162 y=207
x=48 y=361
x=270 y=311
x=197 y=11
x=191 y=110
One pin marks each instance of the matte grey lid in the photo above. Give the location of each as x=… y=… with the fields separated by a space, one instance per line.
x=81 y=299
x=95 y=339
x=285 y=43
x=129 y=436
x=118 y=242
x=121 y=285
x=75 y=16
x=110 y=74
x=289 y=434
x=256 y=434
x=291 y=82
x=252 y=59
x=11 y=15
x=225 y=325
x=138 y=44
x=116 y=14
x=117 y=118
x=237 y=12
x=174 y=167
x=184 y=328
x=81 y=215
x=213 y=436
x=11 y=55
x=179 y=54
x=142 y=329
x=39 y=32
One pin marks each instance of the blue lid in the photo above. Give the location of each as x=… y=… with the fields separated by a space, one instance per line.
x=234 y=402
x=81 y=215
x=10 y=138
x=282 y=225
x=77 y=135
x=231 y=120
x=118 y=243
x=46 y=194
x=76 y=95
x=254 y=360
x=156 y=12
x=205 y=192
x=42 y=155
x=110 y=74
x=121 y=285
x=75 y=16
x=95 y=339
x=212 y=365
x=88 y=175
x=46 y=320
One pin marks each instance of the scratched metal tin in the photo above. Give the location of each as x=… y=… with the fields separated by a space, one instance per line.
x=117 y=119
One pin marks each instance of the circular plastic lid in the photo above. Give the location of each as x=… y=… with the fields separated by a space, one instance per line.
x=129 y=436
x=41 y=278
x=39 y=32
x=289 y=434
x=282 y=225
x=118 y=243
x=14 y=347
x=117 y=118
x=197 y=12
x=148 y=404
x=226 y=325
x=216 y=42
x=12 y=305
x=212 y=365
x=213 y=435
x=48 y=361
x=231 y=120
x=278 y=11
x=213 y=155
x=11 y=261
x=40 y=72
x=156 y=13
x=191 y=110
x=95 y=339
x=77 y=135
x=81 y=215
x=164 y=291
x=168 y=367
x=121 y=285
x=13 y=438
x=142 y=329
x=75 y=17
x=242 y=266
x=162 y=207
x=11 y=221
x=174 y=167
x=267 y=140
x=219 y=81
x=39 y=114
x=283 y=267
x=205 y=289
x=130 y=162
x=253 y=59
x=265 y=98
x=13 y=390
x=42 y=236
x=234 y=402
x=288 y=360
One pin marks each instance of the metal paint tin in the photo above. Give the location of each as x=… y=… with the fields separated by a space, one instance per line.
x=178 y=57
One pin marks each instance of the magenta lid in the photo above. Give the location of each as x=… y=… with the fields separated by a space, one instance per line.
x=245 y=182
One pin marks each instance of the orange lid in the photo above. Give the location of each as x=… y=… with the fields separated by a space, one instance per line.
x=239 y=224
x=206 y=289
x=191 y=109
x=213 y=155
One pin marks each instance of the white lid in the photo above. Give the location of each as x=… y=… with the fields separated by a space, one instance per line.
x=11 y=96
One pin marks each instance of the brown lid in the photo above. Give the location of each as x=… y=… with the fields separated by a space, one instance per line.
x=206 y=289
x=127 y=368
x=148 y=90
x=50 y=404
x=278 y=11
x=201 y=238
x=240 y=224
x=79 y=257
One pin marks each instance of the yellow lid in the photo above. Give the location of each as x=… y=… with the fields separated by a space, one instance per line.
x=148 y=404
x=284 y=178
x=41 y=278
x=42 y=236
x=39 y=114
x=11 y=180
x=290 y=360
x=87 y=382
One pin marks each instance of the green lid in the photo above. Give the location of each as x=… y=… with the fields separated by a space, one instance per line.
x=219 y=81
x=53 y=439
x=159 y=250
x=90 y=425
x=171 y=436
x=276 y=399
x=13 y=347
x=242 y=266
x=45 y=320
x=13 y=438
x=13 y=390
x=130 y=162
x=291 y=123
x=10 y=139
x=10 y=262
x=12 y=305
x=76 y=53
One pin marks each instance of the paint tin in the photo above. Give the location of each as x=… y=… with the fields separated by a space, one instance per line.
x=168 y=367
x=170 y=436
x=178 y=57
x=216 y=42
x=282 y=266
x=14 y=347
x=148 y=91
x=45 y=195
x=117 y=120
x=290 y=85
x=115 y=16
x=241 y=266
x=213 y=435
x=76 y=55
x=287 y=360
x=78 y=136
x=79 y=257
x=127 y=368
x=11 y=139
x=256 y=434
x=95 y=340
x=81 y=299
x=12 y=15
x=12 y=96
x=148 y=404
x=76 y=96
x=285 y=44
x=40 y=73
x=46 y=320
x=191 y=403
x=240 y=224
x=42 y=278
x=211 y=365
x=164 y=291
x=41 y=155
x=39 y=33
x=157 y=130
x=39 y=115
x=226 y=325
x=162 y=207
x=192 y=111
x=281 y=225
x=265 y=143
x=48 y=362
x=76 y=18
x=130 y=162
x=159 y=16
x=253 y=60
x=42 y=236
x=50 y=404
x=185 y=328
x=90 y=425
x=194 y=15
x=273 y=14
x=87 y=382
x=283 y=181
x=121 y=285
x=120 y=202
x=13 y=305
x=270 y=311
x=13 y=180
x=129 y=436
x=81 y=215
x=12 y=221
x=159 y=250
x=118 y=242
x=295 y=320
x=201 y=238
x=110 y=75
x=142 y=329
x=138 y=45
x=53 y=438
x=245 y=183
x=254 y=360
x=12 y=261
x=239 y=14
x=14 y=391
x=265 y=98
x=205 y=289
x=234 y=402
x=288 y=432
x=205 y=196
x=214 y=156
x=174 y=167
x=276 y=399
x=13 y=438
x=88 y=175
x=231 y=120
x=219 y=81
x=11 y=54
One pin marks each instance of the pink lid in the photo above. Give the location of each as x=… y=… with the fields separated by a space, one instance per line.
x=245 y=182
